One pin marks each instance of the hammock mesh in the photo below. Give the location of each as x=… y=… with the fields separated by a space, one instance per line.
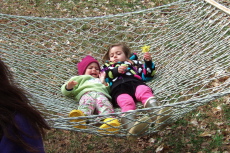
x=189 y=41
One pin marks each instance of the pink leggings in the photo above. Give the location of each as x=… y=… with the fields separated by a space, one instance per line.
x=142 y=94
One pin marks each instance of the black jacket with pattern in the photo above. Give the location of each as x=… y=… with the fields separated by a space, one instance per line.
x=136 y=70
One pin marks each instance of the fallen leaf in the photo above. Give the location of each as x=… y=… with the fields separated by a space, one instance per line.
x=205 y=134
x=159 y=149
x=194 y=122
x=151 y=140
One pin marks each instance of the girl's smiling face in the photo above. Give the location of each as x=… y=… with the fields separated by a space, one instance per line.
x=93 y=70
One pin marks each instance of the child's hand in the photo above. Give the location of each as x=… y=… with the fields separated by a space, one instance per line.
x=70 y=85
x=102 y=76
x=122 y=69
x=147 y=56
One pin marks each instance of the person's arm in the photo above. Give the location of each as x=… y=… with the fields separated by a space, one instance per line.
x=67 y=88
x=102 y=76
x=29 y=135
x=32 y=137
x=148 y=68
x=111 y=71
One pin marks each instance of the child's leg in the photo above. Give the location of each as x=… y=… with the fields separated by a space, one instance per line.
x=129 y=121
x=146 y=96
x=87 y=103
x=86 y=107
x=143 y=93
x=103 y=104
x=126 y=102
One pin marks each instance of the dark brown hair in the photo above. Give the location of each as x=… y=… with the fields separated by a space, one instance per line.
x=15 y=100
x=125 y=49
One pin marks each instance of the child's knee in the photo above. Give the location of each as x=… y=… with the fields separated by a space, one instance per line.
x=126 y=102
x=143 y=93
x=143 y=89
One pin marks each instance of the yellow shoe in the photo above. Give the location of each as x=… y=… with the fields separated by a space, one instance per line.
x=111 y=125
x=76 y=113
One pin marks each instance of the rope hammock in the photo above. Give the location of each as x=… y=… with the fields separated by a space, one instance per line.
x=189 y=39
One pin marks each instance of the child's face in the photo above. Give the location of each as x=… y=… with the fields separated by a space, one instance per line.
x=92 y=70
x=116 y=54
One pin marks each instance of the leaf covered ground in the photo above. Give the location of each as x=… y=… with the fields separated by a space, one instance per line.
x=204 y=130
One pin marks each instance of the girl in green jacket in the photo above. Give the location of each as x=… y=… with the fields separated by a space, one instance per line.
x=92 y=93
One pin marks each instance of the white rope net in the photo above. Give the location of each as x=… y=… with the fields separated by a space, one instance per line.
x=189 y=41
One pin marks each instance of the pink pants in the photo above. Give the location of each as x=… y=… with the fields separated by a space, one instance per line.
x=142 y=94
